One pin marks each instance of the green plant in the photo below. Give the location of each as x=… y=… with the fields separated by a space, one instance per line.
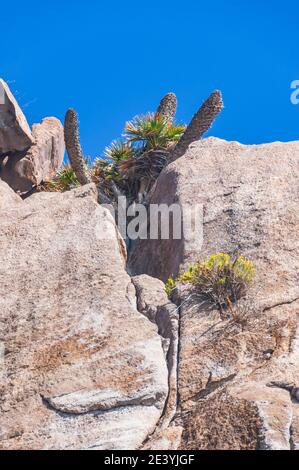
x=130 y=165
x=118 y=151
x=153 y=140
x=105 y=170
x=200 y=123
x=143 y=154
x=64 y=180
x=170 y=286
x=153 y=131
x=220 y=279
x=73 y=147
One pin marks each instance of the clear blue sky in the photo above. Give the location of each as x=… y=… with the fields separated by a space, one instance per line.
x=111 y=60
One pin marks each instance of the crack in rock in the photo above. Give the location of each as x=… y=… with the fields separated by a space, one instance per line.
x=212 y=386
x=280 y=304
x=87 y=401
x=153 y=302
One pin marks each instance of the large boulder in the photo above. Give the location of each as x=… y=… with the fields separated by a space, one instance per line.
x=81 y=367
x=250 y=200
x=22 y=171
x=15 y=133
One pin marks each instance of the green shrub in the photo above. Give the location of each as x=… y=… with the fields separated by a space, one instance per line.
x=153 y=131
x=118 y=150
x=220 y=279
x=64 y=180
x=169 y=286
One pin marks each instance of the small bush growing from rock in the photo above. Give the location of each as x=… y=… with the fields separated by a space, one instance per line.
x=219 y=279
x=169 y=286
x=64 y=180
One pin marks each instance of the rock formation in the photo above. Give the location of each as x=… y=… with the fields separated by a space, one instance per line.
x=82 y=367
x=15 y=133
x=93 y=354
x=23 y=171
x=27 y=158
x=250 y=204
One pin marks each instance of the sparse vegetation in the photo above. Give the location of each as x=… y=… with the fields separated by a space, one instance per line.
x=64 y=180
x=220 y=279
x=131 y=164
x=170 y=286
x=73 y=146
x=200 y=123
x=153 y=132
x=142 y=154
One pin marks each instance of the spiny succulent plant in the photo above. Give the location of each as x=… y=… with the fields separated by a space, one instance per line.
x=168 y=107
x=201 y=123
x=73 y=147
x=131 y=165
x=152 y=140
x=142 y=153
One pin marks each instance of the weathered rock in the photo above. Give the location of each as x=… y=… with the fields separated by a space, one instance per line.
x=250 y=198
x=153 y=302
x=24 y=170
x=15 y=133
x=8 y=198
x=151 y=295
x=82 y=369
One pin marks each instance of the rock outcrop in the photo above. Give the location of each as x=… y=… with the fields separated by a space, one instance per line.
x=23 y=171
x=27 y=158
x=81 y=368
x=15 y=133
x=91 y=358
x=234 y=371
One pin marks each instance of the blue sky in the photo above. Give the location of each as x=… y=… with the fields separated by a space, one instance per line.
x=113 y=60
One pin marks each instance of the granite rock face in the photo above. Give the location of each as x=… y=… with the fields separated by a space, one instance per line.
x=250 y=200
x=91 y=358
x=81 y=368
x=15 y=133
x=27 y=158
x=23 y=171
